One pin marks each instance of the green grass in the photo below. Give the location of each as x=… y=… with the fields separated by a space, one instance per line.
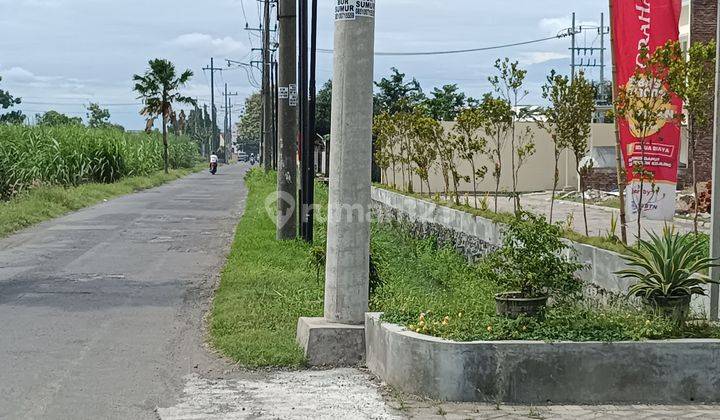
x=265 y=287
x=46 y=202
x=434 y=291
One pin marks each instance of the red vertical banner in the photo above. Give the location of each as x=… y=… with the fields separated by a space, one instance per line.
x=637 y=24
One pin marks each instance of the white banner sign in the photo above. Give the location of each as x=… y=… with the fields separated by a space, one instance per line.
x=350 y=9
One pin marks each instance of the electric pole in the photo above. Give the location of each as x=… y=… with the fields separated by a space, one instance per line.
x=214 y=141
x=227 y=127
x=267 y=106
x=348 y=238
x=287 y=121
x=306 y=123
x=572 y=50
x=715 y=223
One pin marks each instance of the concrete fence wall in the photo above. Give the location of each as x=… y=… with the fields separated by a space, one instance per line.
x=474 y=236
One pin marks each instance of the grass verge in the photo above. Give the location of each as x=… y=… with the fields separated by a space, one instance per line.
x=265 y=287
x=46 y=202
x=434 y=291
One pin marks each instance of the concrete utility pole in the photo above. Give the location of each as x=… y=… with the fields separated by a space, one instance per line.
x=287 y=122
x=214 y=142
x=715 y=223
x=347 y=272
x=267 y=105
x=227 y=129
x=338 y=337
x=572 y=50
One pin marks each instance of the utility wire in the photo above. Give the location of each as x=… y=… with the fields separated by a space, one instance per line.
x=495 y=47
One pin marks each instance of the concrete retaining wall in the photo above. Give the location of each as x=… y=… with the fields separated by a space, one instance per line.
x=474 y=236
x=528 y=372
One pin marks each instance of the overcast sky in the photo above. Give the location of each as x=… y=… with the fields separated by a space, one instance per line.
x=62 y=54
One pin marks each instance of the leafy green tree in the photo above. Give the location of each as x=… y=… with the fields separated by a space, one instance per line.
x=424 y=154
x=497 y=118
x=199 y=127
x=323 y=107
x=158 y=88
x=446 y=103
x=249 y=125
x=508 y=83
x=97 y=117
x=470 y=142
x=581 y=102
x=53 y=119
x=558 y=116
x=690 y=76
x=396 y=95
x=8 y=101
x=385 y=132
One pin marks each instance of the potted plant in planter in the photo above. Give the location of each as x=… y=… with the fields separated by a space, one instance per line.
x=668 y=271
x=533 y=265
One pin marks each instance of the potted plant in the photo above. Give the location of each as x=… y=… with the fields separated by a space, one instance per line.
x=533 y=265
x=668 y=271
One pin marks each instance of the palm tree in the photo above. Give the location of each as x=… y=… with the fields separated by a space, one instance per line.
x=158 y=88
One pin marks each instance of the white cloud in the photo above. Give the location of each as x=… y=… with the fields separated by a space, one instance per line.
x=207 y=43
x=537 y=57
x=556 y=24
x=21 y=75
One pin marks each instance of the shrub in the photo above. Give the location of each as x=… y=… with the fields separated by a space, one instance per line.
x=532 y=260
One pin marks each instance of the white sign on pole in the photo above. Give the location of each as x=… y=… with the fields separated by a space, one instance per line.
x=292 y=95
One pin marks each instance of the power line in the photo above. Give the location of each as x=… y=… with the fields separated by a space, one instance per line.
x=446 y=52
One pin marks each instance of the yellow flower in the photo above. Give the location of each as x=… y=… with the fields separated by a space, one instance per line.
x=489 y=328
x=647 y=322
x=524 y=328
x=460 y=315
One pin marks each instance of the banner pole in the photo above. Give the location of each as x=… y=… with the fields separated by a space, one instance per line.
x=618 y=146
x=715 y=205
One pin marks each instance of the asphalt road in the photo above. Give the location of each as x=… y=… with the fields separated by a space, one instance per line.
x=101 y=311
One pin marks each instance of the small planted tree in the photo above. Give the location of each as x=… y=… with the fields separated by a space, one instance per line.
x=557 y=118
x=581 y=102
x=404 y=131
x=508 y=83
x=497 y=118
x=443 y=150
x=690 y=76
x=470 y=142
x=425 y=130
x=384 y=131
x=645 y=102
x=158 y=88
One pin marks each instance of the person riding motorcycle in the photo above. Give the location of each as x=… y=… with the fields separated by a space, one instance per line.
x=213 y=163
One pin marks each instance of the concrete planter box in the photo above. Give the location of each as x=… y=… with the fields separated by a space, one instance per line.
x=531 y=372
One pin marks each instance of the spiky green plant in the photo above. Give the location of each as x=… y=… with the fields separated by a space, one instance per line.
x=667 y=265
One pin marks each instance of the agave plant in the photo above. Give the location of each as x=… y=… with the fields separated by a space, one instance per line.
x=667 y=266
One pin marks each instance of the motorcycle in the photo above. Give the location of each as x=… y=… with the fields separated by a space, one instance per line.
x=213 y=168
